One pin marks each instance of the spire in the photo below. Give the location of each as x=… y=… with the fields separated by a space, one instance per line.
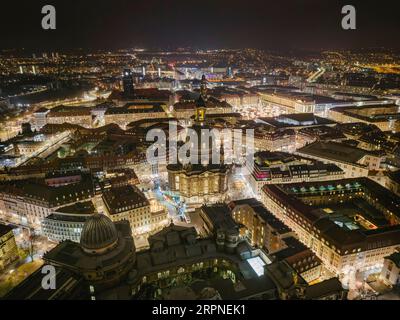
x=200 y=111
x=203 y=87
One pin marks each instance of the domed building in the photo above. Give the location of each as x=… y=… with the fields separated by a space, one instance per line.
x=203 y=181
x=105 y=255
x=99 y=235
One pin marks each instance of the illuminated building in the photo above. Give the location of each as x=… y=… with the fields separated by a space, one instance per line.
x=330 y=289
x=385 y=117
x=296 y=121
x=185 y=108
x=28 y=147
x=294 y=101
x=103 y=257
x=274 y=140
x=70 y=114
x=237 y=98
x=301 y=259
x=40 y=118
x=327 y=218
x=393 y=182
x=134 y=112
x=218 y=222
x=198 y=183
x=261 y=228
x=390 y=273
x=264 y=230
x=120 y=177
x=102 y=260
x=354 y=130
x=66 y=223
x=177 y=255
x=279 y=167
x=179 y=264
x=129 y=203
x=60 y=178
x=32 y=200
x=321 y=133
x=378 y=141
x=8 y=246
x=127 y=83
x=141 y=95
x=355 y=162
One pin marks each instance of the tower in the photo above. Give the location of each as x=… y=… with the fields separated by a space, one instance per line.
x=127 y=83
x=203 y=87
x=200 y=112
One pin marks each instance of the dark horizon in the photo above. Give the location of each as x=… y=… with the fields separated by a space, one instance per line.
x=310 y=25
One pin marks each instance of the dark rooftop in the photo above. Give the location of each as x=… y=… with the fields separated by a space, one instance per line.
x=79 y=208
x=296 y=120
x=139 y=107
x=120 y=199
x=324 y=288
x=4 y=229
x=334 y=151
x=220 y=217
x=395 y=258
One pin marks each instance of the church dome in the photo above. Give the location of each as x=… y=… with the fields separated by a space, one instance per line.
x=99 y=234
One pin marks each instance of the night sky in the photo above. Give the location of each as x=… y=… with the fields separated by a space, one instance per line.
x=266 y=24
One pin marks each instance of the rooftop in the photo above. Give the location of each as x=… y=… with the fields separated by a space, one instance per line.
x=395 y=258
x=296 y=120
x=138 y=107
x=211 y=103
x=334 y=151
x=68 y=284
x=356 y=128
x=395 y=176
x=124 y=198
x=322 y=133
x=79 y=208
x=324 y=288
x=175 y=246
x=263 y=213
x=4 y=229
x=61 y=111
x=220 y=217
x=298 y=198
x=371 y=113
x=37 y=190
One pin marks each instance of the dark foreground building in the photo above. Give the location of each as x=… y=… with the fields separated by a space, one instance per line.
x=178 y=265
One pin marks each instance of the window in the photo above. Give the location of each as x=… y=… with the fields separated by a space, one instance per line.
x=181 y=270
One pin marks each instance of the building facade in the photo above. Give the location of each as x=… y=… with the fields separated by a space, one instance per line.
x=8 y=246
x=344 y=239
x=66 y=223
x=390 y=273
x=129 y=203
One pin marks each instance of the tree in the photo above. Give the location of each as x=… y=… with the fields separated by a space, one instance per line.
x=31 y=245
